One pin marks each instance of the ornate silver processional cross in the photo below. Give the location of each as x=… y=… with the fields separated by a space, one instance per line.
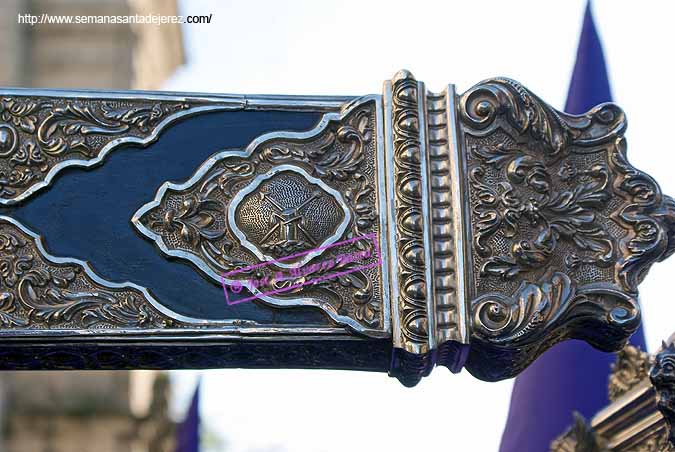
x=393 y=232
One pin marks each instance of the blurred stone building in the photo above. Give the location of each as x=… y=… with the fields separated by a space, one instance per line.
x=88 y=55
x=86 y=411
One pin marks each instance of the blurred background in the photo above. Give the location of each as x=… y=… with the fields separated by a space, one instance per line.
x=305 y=47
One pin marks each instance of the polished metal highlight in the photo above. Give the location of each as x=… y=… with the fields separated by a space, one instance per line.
x=492 y=227
x=426 y=217
x=409 y=226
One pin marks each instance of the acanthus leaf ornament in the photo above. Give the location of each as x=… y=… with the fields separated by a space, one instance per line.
x=631 y=367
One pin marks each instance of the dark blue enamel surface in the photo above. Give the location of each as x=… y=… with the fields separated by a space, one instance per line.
x=86 y=213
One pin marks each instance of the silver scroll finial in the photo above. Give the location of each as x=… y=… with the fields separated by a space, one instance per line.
x=563 y=227
x=532 y=227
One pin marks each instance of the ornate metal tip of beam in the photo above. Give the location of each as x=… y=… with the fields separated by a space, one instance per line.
x=563 y=228
x=530 y=226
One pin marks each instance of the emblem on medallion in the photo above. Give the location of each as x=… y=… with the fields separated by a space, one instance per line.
x=287 y=215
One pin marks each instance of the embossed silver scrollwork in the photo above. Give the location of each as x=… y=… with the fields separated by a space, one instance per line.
x=45 y=296
x=40 y=291
x=44 y=131
x=564 y=227
x=39 y=136
x=224 y=204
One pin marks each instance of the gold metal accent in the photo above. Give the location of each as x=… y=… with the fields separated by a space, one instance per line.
x=631 y=367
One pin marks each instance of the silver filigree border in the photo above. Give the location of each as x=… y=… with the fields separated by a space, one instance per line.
x=224 y=102
x=196 y=327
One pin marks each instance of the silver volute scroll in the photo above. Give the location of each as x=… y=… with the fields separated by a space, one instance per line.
x=470 y=230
